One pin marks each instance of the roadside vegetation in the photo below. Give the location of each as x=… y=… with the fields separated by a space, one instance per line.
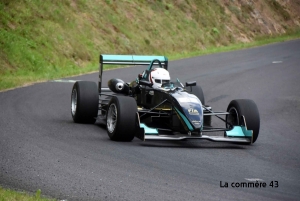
x=9 y=195
x=43 y=40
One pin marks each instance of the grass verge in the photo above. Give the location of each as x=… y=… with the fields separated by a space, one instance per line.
x=238 y=46
x=10 y=195
x=23 y=77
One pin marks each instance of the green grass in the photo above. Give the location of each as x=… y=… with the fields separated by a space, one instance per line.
x=238 y=46
x=10 y=195
x=21 y=77
x=43 y=40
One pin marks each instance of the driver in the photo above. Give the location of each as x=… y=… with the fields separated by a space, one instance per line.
x=159 y=76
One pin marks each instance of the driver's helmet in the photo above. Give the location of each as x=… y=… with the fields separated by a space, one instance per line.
x=159 y=76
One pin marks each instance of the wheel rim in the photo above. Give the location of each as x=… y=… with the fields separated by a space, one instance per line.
x=112 y=118
x=233 y=117
x=74 y=102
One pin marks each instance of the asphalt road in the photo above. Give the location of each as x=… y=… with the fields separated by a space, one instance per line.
x=41 y=147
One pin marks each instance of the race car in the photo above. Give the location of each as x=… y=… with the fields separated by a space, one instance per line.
x=153 y=107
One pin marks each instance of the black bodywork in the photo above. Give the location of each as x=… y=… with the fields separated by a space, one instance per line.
x=168 y=109
x=171 y=112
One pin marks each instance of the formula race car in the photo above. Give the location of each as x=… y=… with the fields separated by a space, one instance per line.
x=152 y=107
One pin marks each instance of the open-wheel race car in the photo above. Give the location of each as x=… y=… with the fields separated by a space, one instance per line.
x=154 y=108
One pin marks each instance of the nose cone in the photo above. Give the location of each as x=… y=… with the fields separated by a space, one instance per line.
x=192 y=108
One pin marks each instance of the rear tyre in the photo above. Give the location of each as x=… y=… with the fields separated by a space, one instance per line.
x=84 y=102
x=248 y=109
x=121 y=118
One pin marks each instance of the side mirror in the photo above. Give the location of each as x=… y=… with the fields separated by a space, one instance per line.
x=191 y=83
x=146 y=83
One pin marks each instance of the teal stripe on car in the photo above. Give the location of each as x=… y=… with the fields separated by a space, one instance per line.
x=239 y=131
x=186 y=121
x=148 y=130
x=133 y=58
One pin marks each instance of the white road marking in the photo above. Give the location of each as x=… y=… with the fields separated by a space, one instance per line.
x=254 y=179
x=276 y=62
x=72 y=81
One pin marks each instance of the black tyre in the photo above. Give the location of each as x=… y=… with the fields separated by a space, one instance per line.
x=197 y=91
x=121 y=118
x=84 y=102
x=105 y=102
x=248 y=109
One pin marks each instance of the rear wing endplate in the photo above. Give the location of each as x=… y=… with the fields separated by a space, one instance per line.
x=127 y=60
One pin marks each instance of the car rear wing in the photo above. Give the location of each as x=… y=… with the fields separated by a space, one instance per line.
x=128 y=60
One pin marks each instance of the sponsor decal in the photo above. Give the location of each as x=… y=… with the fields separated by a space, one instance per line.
x=183 y=100
x=196 y=122
x=189 y=99
x=193 y=111
x=193 y=98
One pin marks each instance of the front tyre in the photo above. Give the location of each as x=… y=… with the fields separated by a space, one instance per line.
x=197 y=91
x=248 y=109
x=84 y=102
x=121 y=118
